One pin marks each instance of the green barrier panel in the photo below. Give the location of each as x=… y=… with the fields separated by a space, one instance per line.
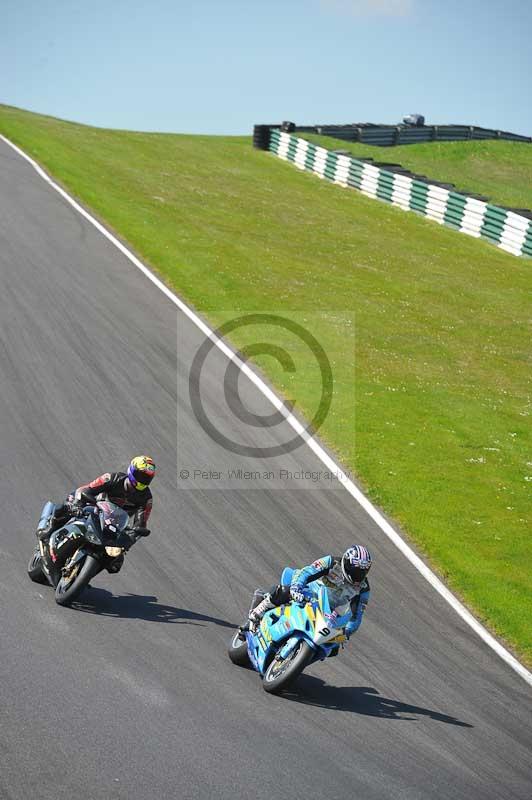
x=418 y=196
x=454 y=213
x=494 y=222
x=386 y=177
x=453 y=218
x=454 y=225
x=354 y=176
x=330 y=164
x=385 y=186
x=458 y=203
x=491 y=232
x=418 y=206
x=454 y=197
x=496 y=213
x=309 y=158
x=292 y=147
x=353 y=182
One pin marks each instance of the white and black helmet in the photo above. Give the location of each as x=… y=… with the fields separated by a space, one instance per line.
x=356 y=563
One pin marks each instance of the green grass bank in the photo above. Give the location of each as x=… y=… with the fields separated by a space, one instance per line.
x=502 y=171
x=437 y=422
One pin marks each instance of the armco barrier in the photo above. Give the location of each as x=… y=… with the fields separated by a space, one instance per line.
x=510 y=230
x=390 y=135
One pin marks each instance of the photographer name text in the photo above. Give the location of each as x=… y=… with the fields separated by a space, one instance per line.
x=284 y=475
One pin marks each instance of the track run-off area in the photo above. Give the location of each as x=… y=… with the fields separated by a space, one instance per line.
x=130 y=694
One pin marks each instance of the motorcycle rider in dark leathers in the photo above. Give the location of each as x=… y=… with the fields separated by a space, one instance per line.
x=129 y=490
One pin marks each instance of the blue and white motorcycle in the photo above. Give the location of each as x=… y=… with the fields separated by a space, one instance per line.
x=291 y=637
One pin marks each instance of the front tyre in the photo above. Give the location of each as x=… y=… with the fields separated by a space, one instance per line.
x=281 y=674
x=70 y=587
x=238 y=650
x=35 y=567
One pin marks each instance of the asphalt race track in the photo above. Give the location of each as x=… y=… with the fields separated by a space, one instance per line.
x=130 y=694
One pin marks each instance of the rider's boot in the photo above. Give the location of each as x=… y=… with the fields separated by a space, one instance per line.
x=257 y=613
x=43 y=534
x=51 y=522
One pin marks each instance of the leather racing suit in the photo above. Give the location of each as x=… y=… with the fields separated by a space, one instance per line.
x=328 y=571
x=138 y=504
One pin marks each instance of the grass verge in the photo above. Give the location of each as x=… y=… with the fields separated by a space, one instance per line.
x=438 y=430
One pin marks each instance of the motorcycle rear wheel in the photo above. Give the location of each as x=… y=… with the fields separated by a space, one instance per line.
x=68 y=590
x=280 y=675
x=238 y=651
x=35 y=572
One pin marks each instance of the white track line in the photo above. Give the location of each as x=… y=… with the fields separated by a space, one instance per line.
x=331 y=465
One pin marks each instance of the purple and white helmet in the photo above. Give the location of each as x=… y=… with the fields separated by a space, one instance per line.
x=356 y=563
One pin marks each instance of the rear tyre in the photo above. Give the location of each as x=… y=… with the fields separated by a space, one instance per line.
x=238 y=650
x=281 y=674
x=68 y=589
x=35 y=567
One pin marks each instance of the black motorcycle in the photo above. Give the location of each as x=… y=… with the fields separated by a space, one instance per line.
x=92 y=539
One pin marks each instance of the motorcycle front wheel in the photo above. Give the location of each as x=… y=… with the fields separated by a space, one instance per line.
x=70 y=586
x=35 y=567
x=281 y=674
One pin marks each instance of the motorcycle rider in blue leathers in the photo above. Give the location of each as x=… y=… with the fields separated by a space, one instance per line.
x=345 y=578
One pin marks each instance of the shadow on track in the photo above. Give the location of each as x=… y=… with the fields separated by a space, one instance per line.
x=135 y=606
x=366 y=700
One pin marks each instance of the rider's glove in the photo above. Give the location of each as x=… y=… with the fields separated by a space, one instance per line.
x=125 y=540
x=75 y=507
x=349 y=630
x=141 y=531
x=299 y=594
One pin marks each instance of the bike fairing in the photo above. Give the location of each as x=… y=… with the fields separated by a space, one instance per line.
x=283 y=628
x=100 y=524
x=93 y=539
x=332 y=611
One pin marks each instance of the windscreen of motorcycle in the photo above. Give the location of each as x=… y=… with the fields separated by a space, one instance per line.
x=328 y=624
x=113 y=519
